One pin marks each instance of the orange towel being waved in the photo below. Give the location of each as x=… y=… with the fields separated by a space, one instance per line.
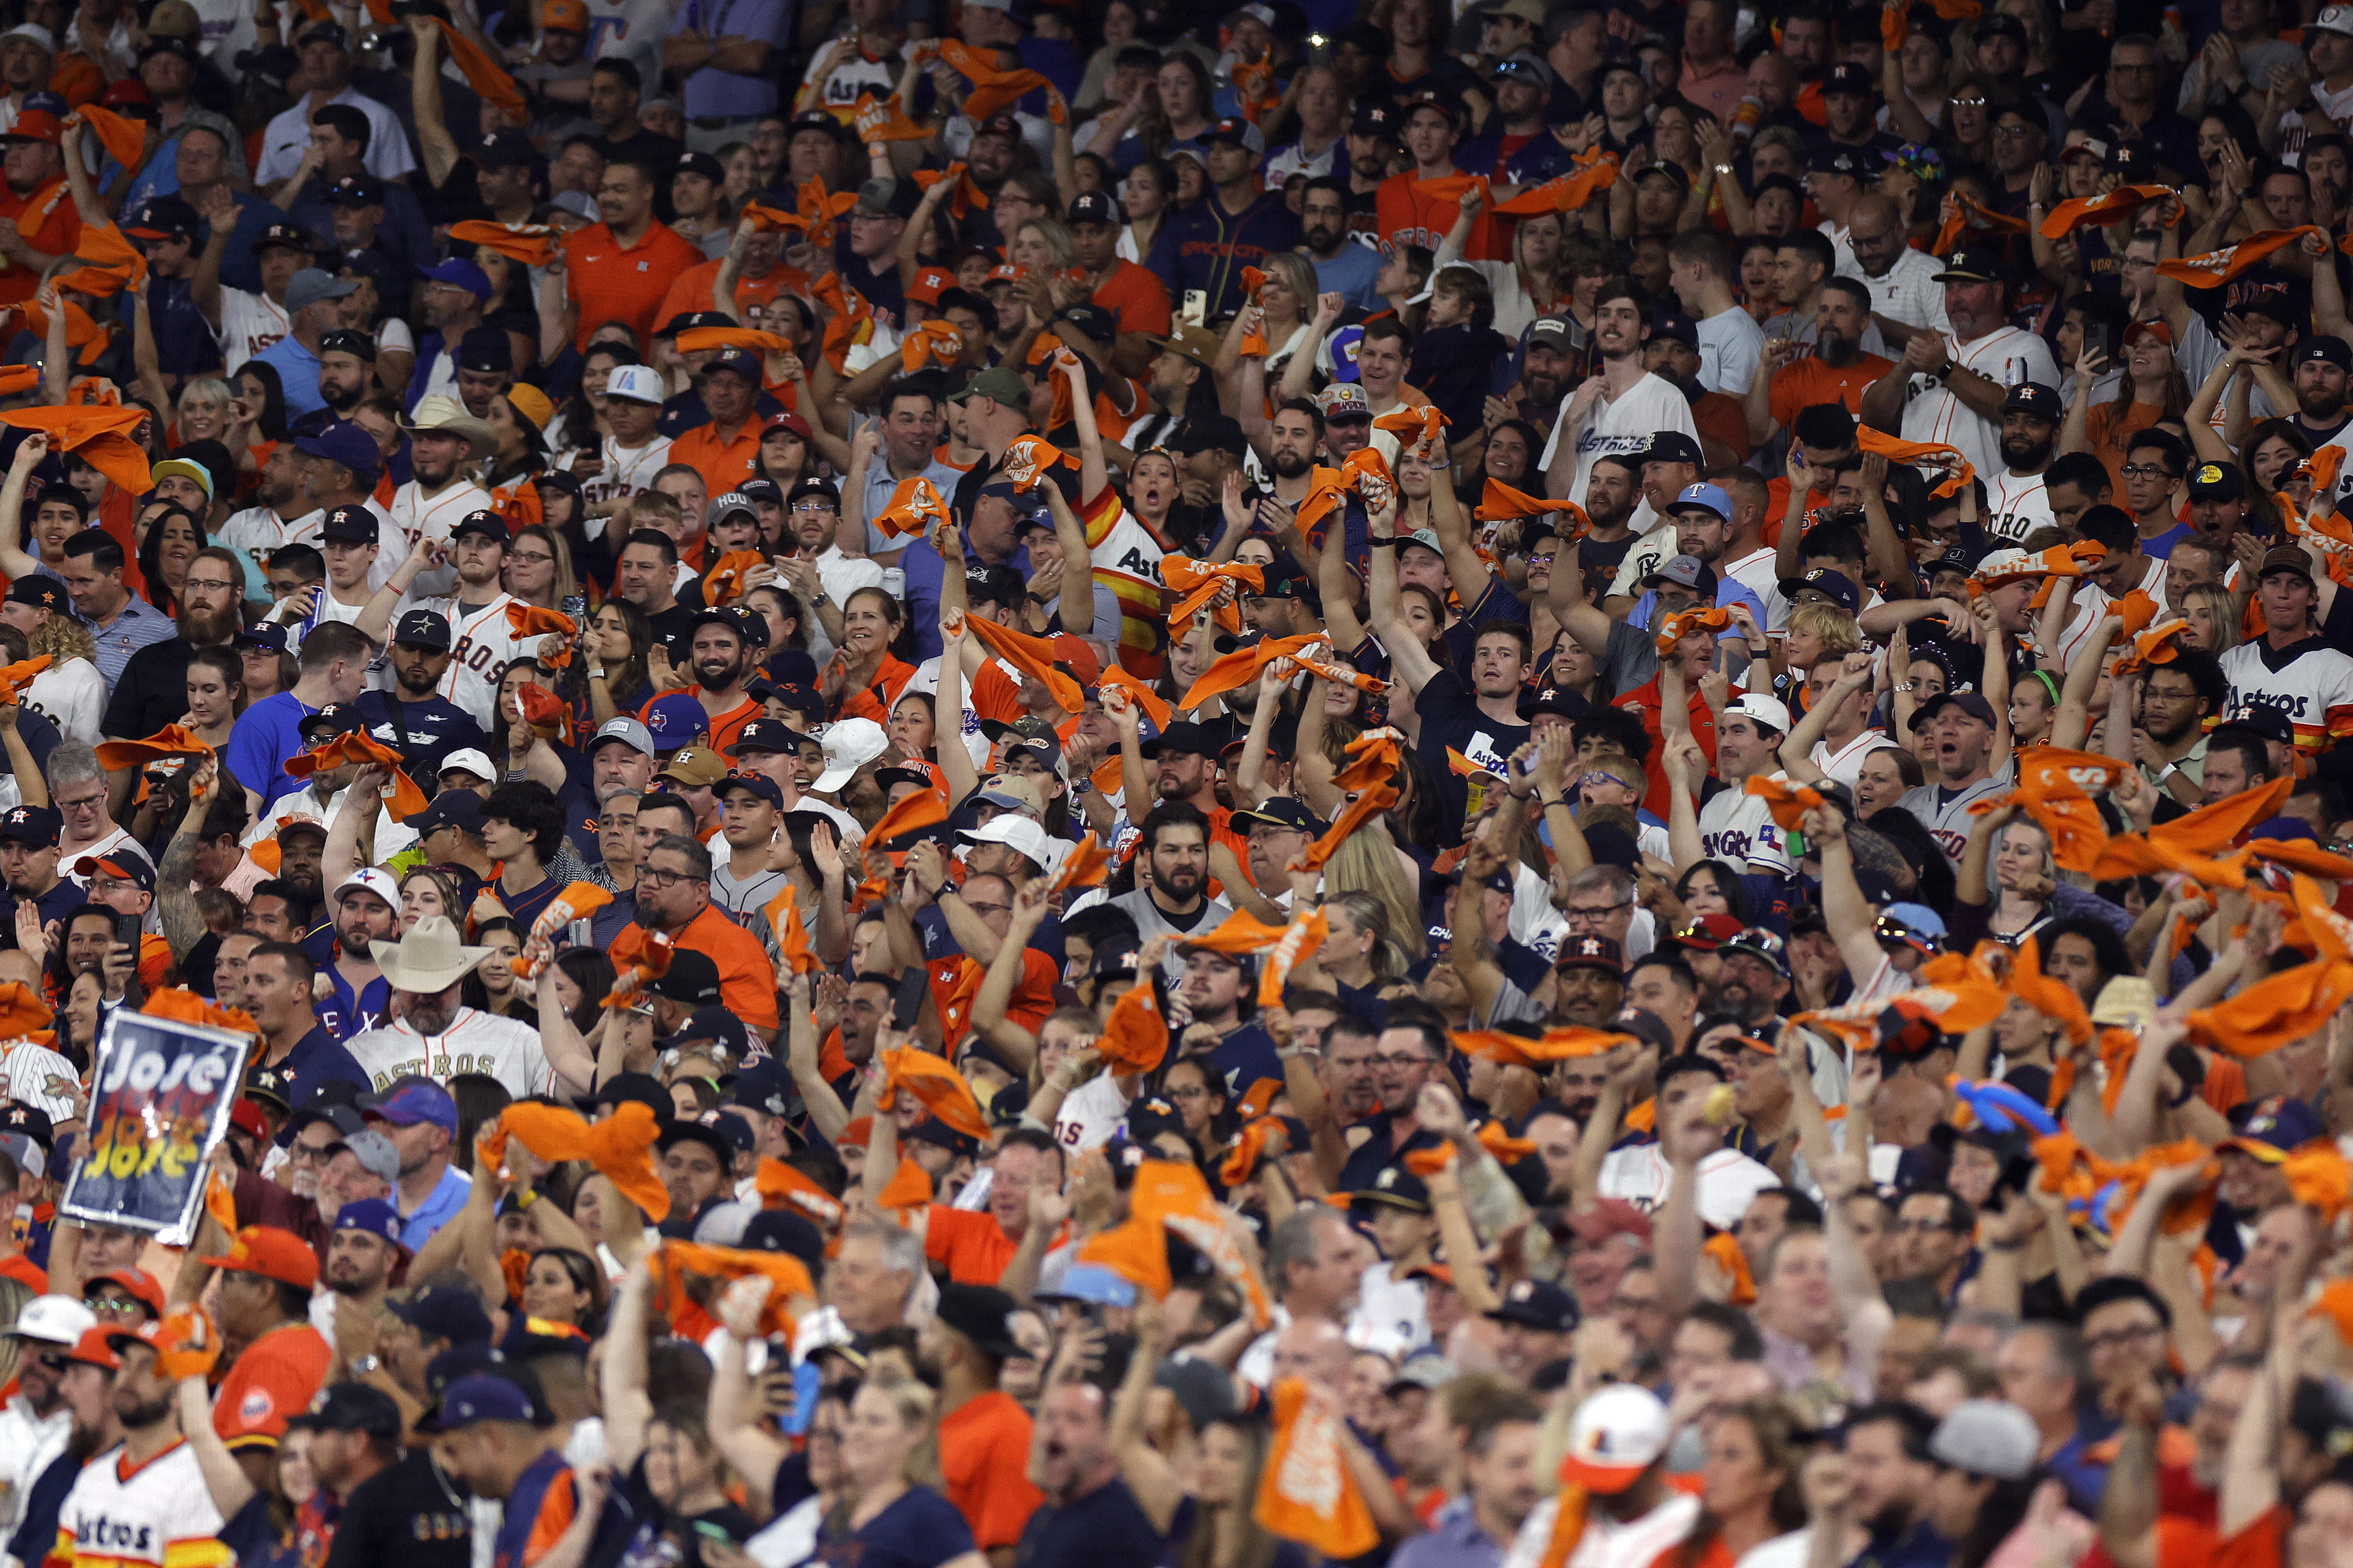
x=1895 y=450
x=1239 y=667
x=1215 y=583
x=1594 y=172
x=116 y=756
x=2194 y=844
x=533 y=244
x=101 y=436
x=620 y=1146
x=2056 y=788
x=935 y=1081
x=1136 y=1035
x=359 y=748
x=915 y=509
x=2217 y=268
x=2082 y=211
x=1033 y=657
x=2289 y=1005
x=1305 y=1493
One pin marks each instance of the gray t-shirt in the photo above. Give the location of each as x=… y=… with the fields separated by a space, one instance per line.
x=1150 y=922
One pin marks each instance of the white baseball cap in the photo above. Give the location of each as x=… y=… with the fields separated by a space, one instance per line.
x=1615 y=1436
x=2332 y=19
x=1769 y=711
x=850 y=745
x=370 y=880
x=638 y=382
x=471 y=761
x=1025 y=836
x=54 y=1319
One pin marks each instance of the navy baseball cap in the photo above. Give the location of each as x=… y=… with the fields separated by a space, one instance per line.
x=373 y=1216
x=345 y=443
x=2033 y=397
x=449 y=1312
x=486 y=1397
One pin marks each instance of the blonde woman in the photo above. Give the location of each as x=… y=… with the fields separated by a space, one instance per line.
x=71 y=693
x=1360 y=953
x=891 y=1507
x=203 y=412
x=1529 y=284
x=2213 y=616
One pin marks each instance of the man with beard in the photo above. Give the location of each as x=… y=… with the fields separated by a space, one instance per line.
x=1548 y=361
x=1089 y=1518
x=149 y=1485
x=484 y=642
x=1750 y=980
x=355 y=1437
x=721 y=649
x=1218 y=989
x=153 y=690
x=1905 y=297
x=36 y=1425
x=411 y=1511
x=1890 y=1479
x=368 y=910
x=1838 y=370
x=1622 y=410
x=2177 y=700
x=442 y=439
x=87 y=1385
x=364 y=1252
x=1175 y=843
x=1342 y=265
x=1951 y=389
x=278 y=983
x=1499 y=1474
x=2322 y=413
x=673 y=895
x=984 y=1433
x=1963 y=724
x=1411 y=1052
x=2017 y=502
x=413 y=718
x=432 y=1024
x=286 y=514
x=347 y=376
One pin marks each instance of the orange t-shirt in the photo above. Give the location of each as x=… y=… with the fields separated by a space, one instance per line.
x=51 y=223
x=747 y=979
x=1138 y=297
x=723 y=464
x=611 y=282
x=1809 y=381
x=725 y=728
x=956 y=981
x=275 y=1379
x=691 y=290
x=972 y=1245
x=984 y=1459
x=1776 y=508
x=873 y=701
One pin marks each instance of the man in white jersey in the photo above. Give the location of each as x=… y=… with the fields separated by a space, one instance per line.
x=2017 y=502
x=350 y=539
x=442 y=439
x=1951 y=390
x=1963 y=724
x=249 y=324
x=477 y=614
x=1616 y=1451
x=286 y=516
x=1618 y=410
x=635 y=452
x=1836 y=733
x=435 y=1035
x=1734 y=826
x=2326 y=103
x=144 y=1500
x=2290 y=667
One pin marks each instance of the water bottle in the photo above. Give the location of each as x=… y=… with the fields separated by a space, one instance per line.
x=894 y=583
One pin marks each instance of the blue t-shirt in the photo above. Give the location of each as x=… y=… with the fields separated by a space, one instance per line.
x=1350 y=273
x=1105 y=1528
x=922 y=1530
x=298 y=376
x=266 y=734
x=319 y=1057
x=1245 y=1056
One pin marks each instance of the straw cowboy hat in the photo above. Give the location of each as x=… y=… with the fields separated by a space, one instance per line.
x=447 y=415
x=430 y=959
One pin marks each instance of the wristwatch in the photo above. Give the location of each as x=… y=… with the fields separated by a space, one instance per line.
x=2168 y=770
x=367 y=1363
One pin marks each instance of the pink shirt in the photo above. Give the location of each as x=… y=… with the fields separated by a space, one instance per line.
x=1719 y=92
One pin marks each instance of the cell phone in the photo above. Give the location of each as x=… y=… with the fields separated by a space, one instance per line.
x=2098 y=335
x=126 y=932
x=808 y=1382
x=713 y=1532
x=907 y=1005
x=1197 y=307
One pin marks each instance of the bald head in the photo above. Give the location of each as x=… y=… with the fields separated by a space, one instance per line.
x=1311 y=1348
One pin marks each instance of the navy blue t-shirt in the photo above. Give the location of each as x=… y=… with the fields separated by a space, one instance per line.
x=1105 y=1528
x=922 y=1530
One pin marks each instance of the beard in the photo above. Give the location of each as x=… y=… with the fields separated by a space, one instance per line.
x=716 y=675
x=1323 y=241
x=1289 y=464
x=2188 y=723
x=356 y=943
x=2320 y=404
x=2022 y=454
x=341 y=400
x=206 y=628
x=1179 y=885
x=147 y=1415
x=354 y=1289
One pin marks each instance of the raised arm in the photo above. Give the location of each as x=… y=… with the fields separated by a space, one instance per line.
x=437 y=148
x=1848 y=913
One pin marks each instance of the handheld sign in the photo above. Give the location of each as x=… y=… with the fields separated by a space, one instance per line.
x=164 y=1089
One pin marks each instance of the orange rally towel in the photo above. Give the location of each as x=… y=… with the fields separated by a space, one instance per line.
x=532 y=244
x=2217 y=268
x=1136 y=1035
x=620 y=1146
x=935 y=1081
x=1305 y=1493
x=2079 y=212
x=788 y=1274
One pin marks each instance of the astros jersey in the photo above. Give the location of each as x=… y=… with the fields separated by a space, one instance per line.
x=1945 y=813
x=2016 y=505
x=158 y=1513
x=2311 y=682
x=481 y=647
x=477 y=1042
x=1126 y=554
x=627 y=470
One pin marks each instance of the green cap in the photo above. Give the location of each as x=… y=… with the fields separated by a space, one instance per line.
x=997 y=382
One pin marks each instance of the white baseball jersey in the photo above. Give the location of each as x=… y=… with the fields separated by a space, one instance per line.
x=1652 y=406
x=1735 y=827
x=413 y=511
x=481 y=646
x=28 y=1444
x=627 y=470
x=157 y=1513
x=1844 y=765
x=2004 y=356
x=2016 y=505
x=1728 y=1179
x=32 y=1074
x=1946 y=813
x=2337 y=105
x=249 y=323
x=1606 y=1543
x=259 y=532
x=477 y=1042
x=2313 y=686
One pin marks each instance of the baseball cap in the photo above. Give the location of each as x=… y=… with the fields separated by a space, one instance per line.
x=696 y=766
x=345 y=443
x=2033 y=397
x=351 y=525
x=2274 y=1129
x=131 y=869
x=373 y=1215
x=1988 y=1437
x=1235 y=131
x=1837 y=587
x=1688 y=572
x=638 y=382
x=449 y=1312
x=997 y=382
x=1399 y=1188
x=312 y=287
x=623 y=731
x=1671 y=446
x=1094 y=207
x=36 y=824
x=1971 y=264
x=54 y=1319
x=1755 y=706
x=1712 y=497
x=1591 y=952
x=1847 y=78
x=2286 y=558
x=410 y=1101
x=1539 y=1304
x=273 y=1253
x=423 y=628
x=2335 y=19
x=486 y=1396
x=1616 y=1433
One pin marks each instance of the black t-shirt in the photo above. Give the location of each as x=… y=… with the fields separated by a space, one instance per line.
x=413 y=1515
x=1451 y=719
x=153 y=692
x=674 y=630
x=1104 y=1529
x=1597 y=562
x=426 y=731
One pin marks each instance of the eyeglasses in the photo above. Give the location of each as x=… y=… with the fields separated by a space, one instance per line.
x=1398 y=1061
x=653 y=878
x=84 y=803
x=1187 y=1096
x=1546 y=559
x=206 y=587
x=2121 y=1339
x=535 y=559
x=2147 y=471
x=1596 y=914
x=985 y=909
x=311 y=1153
x=2010 y=132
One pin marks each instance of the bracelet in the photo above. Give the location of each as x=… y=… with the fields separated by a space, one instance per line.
x=1905 y=685
x=1379 y=541
x=595 y=672
x=1723 y=168
x=526 y=1197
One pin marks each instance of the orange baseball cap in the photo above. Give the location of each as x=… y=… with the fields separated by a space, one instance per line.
x=95 y=1348
x=273 y=1253
x=144 y=1286
x=564 y=16
x=925 y=288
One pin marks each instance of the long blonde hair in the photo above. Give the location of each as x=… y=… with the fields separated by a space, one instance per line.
x=62 y=637
x=1366 y=864
x=2215 y=597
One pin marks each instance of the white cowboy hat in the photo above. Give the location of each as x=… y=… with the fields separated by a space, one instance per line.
x=429 y=959
x=443 y=413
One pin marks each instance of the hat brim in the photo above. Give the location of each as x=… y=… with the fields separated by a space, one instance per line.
x=1607 y=1480
x=479 y=436
x=2269 y=1153
x=424 y=976
x=1390 y=1199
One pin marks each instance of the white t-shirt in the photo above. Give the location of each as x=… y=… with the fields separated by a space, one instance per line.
x=2016 y=505
x=1650 y=408
x=288 y=136
x=157 y=1512
x=1845 y=764
x=1907 y=292
x=72 y=695
x=1728 y=1179
x=477 y=1042
x=1731 y=346
x=249 y=323
x=2004 y=356
x=1392 y=1316
x=2337 y=105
